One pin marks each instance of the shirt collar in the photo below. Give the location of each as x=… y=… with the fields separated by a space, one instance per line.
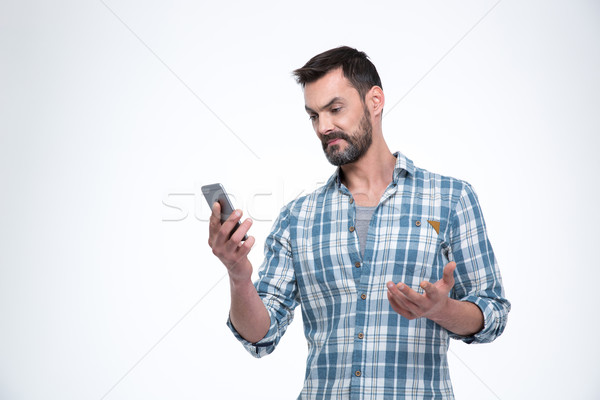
x=403 y=167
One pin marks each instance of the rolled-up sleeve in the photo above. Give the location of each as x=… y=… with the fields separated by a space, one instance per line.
x=276 y=285
x=477 y=276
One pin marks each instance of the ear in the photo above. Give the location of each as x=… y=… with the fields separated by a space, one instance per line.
x=375 y=100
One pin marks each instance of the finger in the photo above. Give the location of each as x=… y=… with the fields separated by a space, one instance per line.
x=216 y=211
x=399 y=308
x=246 y=246
x=241 y=231
x=396 y=290
x=226 y=227
x=429 y=289
x=215 y=219
x=410 y=295
x=240 y=253
x=448 y=277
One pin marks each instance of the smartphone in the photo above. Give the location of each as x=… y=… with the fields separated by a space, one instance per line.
x=216 y=192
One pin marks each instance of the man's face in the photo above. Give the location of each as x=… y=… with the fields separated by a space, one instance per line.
x=339 y=117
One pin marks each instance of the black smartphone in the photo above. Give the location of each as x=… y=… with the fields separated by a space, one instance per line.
x=216 y=192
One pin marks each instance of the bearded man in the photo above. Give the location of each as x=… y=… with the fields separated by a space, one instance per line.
x=388 y=261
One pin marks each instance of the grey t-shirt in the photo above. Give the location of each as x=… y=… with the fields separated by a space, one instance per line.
x=363 y=218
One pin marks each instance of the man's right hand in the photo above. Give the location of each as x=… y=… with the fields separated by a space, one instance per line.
x=230 y=249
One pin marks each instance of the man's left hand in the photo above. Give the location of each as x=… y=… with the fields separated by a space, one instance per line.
x=431 y=304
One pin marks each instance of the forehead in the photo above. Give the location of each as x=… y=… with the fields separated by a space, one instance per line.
x=331 y=85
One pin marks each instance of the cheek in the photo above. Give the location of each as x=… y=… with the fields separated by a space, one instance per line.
x=351 y=120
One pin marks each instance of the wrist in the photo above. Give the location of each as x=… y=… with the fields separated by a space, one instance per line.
x=460 y=317
x=240 y=281
x=443 y=313
x=240 y=274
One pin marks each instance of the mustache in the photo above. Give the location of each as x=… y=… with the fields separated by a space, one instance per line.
x=334 y=135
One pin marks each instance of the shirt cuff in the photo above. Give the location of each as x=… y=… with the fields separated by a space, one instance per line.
x=264 y=346
x=490 y=323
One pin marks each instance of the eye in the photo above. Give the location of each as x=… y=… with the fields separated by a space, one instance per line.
x=313 y=117
x=336 y=110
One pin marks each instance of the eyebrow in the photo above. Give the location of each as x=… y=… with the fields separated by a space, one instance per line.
x=332 y=101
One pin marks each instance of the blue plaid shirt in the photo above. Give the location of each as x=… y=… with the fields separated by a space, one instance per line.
x=358 y=346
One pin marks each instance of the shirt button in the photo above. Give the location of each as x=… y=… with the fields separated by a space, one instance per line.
x=361 y=335
x=418 y=223
x=363 y=296
x=357 y=373
x=357 y=265
x=351 y=229
x=351 y=200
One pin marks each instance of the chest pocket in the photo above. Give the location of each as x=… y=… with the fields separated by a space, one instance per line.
x=419 y=251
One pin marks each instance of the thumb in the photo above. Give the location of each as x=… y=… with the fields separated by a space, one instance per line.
x=449 y=273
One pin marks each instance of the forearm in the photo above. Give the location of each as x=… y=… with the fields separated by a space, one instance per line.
x=248 y=313
x=460 y=317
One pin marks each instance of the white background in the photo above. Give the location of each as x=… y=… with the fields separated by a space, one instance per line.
x=113 y=114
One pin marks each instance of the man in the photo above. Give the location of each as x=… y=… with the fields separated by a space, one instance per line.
x=387 y=260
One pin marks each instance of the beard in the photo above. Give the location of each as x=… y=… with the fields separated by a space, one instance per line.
x=358 y=143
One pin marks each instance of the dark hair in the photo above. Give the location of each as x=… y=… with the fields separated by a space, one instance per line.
x=356 y=66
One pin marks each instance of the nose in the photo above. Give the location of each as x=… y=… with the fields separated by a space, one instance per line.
x=324 y=125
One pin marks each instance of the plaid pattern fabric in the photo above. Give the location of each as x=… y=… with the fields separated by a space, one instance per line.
x=359 y=347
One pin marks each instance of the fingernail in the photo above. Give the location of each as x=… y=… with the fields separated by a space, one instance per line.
x=237 y=213
x=401 y=286
x=390 y=285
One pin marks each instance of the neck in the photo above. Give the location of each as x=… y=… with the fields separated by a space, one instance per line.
x=368 y=177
